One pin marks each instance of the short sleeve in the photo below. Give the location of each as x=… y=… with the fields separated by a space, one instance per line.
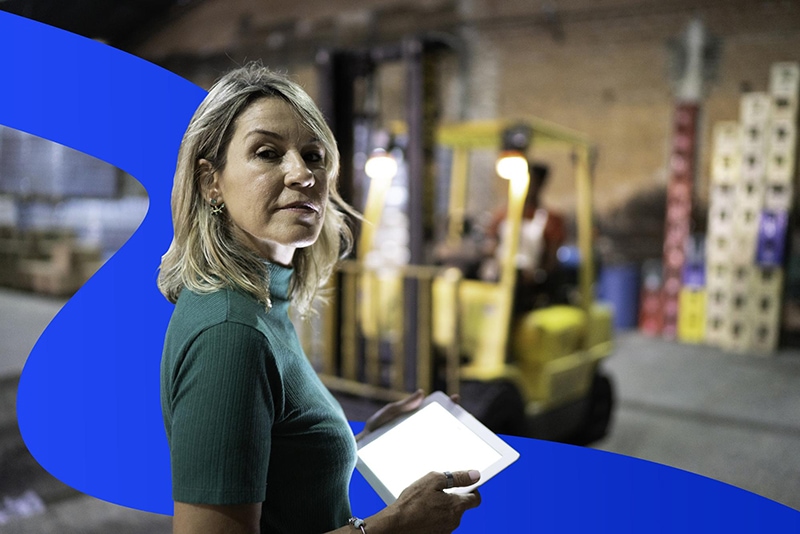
x=222 y=414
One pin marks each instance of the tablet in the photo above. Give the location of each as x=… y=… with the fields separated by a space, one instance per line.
x=438 y=436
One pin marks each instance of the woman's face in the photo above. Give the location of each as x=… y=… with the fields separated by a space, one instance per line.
x=274 y=184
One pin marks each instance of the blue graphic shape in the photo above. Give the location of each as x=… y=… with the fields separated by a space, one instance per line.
x=88 y=405
x=555 y=489
x=88 y=401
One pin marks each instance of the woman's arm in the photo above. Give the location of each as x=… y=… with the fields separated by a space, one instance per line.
x=217 y=454
x=244 y=519
x=422 y=507
x=216 y=519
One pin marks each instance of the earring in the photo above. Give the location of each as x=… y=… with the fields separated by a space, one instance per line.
x=216 y=210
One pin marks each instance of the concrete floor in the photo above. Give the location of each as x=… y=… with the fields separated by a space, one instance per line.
x=731 y=417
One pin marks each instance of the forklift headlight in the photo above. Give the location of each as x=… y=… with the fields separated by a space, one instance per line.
x=512 y=166
x=381 y=165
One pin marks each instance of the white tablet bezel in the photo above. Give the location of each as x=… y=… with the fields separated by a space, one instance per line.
x=507 y=454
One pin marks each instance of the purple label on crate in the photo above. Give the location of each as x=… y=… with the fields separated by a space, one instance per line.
x=771 y=238
x=694 y=275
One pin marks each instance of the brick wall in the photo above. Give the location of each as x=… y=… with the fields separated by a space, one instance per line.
x=597 y=66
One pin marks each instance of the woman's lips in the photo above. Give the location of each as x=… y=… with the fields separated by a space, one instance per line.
x=301 y=206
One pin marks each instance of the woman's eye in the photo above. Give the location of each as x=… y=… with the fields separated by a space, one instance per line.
x=267 y=153
x=314 y=157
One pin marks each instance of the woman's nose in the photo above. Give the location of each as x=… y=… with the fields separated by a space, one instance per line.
x=297 y=172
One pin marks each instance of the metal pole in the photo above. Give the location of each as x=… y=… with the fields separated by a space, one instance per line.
x=583 y=175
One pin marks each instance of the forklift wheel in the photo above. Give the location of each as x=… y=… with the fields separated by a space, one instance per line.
x=598 y=414
x=497 y=404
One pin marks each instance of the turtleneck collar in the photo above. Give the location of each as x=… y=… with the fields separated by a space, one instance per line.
x=279 y=279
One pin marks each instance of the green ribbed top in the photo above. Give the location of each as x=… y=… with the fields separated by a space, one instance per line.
x=246 y=416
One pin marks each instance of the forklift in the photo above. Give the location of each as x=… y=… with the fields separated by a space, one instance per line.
x=539 y=374
x=388 y=330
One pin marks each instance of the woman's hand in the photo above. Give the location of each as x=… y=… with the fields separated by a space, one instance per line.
x=394 y=410
x=425 y=508
x=390 y=412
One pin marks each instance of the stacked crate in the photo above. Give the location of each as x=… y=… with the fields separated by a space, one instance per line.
x=752 y=192
x=678 y=217
x=725 y=175
x=693 y=295
x=754 y=117
x=651 y=317
x=780 y=162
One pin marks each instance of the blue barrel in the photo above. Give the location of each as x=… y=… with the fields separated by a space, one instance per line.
x=619 y=287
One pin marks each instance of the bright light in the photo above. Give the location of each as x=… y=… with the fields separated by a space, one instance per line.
x=380 y=165
x=512 y=165
x=519 y=185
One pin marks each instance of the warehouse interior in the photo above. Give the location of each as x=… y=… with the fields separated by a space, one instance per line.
x=669 y=135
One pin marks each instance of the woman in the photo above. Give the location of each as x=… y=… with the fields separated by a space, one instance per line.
x=257 y=443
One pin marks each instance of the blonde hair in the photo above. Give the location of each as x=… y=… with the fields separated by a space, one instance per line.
x=204 y=256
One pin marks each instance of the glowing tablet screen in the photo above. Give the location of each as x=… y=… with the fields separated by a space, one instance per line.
x=431 y=439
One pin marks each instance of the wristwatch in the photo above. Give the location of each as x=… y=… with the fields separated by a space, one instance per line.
x=358 y=523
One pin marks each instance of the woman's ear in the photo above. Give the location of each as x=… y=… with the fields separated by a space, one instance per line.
x=207 y=176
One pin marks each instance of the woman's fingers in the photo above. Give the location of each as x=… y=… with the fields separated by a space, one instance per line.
x=403 y=405
x=393 y=410
x=410 y=402
x=396 y=409
x=460 y=479
x=425 y=507
x=471 y=499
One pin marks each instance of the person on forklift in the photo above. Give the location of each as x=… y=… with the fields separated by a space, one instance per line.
x=257 y=443
x=542 y=233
